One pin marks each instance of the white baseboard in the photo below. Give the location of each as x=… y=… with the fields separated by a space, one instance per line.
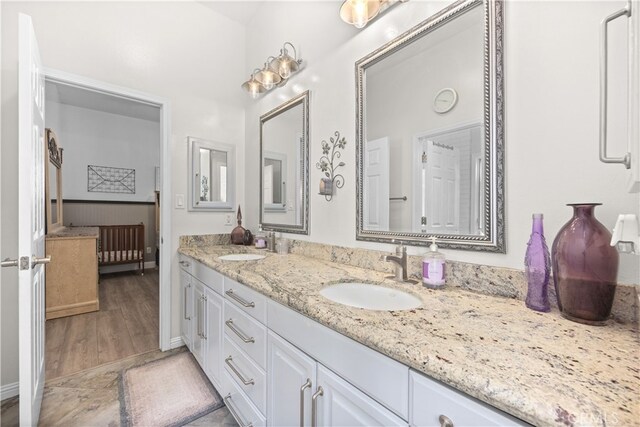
x=9 y=390
x=175 y=343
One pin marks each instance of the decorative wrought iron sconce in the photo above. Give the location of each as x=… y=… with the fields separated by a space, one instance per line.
x=326 y=164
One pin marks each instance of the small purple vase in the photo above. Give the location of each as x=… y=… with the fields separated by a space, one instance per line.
x=585 y=267
x=537 y=268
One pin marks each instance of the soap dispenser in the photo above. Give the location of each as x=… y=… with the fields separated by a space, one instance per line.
x=433 y=267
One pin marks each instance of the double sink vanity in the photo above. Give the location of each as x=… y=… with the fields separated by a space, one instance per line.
x=281 y=353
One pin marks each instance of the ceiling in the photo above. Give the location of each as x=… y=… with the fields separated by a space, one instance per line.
x=242 y=11
x=99 y=101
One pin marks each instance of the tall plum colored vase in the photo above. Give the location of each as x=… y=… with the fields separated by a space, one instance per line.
x=585 y=267
x=537 y=268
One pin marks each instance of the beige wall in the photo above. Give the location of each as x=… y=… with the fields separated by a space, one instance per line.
x=181 y=51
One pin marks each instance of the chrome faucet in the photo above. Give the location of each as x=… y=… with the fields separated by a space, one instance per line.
x=400 y=261
x=271 y=241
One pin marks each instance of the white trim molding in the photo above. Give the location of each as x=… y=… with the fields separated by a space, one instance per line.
x=9 y=390
x=176 y=342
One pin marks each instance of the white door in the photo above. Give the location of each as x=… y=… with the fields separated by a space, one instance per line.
x=341 y=404
x=291 y=375
x=376 y=185
x=213 y=335
x=31 y=222
x=441 y=197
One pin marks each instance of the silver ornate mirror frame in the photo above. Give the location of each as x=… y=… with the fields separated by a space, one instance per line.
x=303 y=228
x=493 y=237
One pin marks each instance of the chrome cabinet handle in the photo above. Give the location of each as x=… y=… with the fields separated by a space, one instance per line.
x=204 y=316
x=445 y=421
x=302 y=389
x=240 y=300
x=234 y=412
x=604 y=68
x=184 y=264
x=228 y=361
x=238 y=332
x=314 y=406
x=185 y=304
x=199 y=317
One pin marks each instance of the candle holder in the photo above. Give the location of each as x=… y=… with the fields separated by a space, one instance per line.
x=330 y=153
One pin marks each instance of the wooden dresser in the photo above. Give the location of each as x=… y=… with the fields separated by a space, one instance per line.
x=72 y=275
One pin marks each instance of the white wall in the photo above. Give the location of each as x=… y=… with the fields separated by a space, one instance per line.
x=182 y=51
x=551 y=99
x=91 y=137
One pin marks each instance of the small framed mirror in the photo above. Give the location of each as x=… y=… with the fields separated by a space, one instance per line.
x=430 y=133
x=284 y=170
x=53 y=181
x=211 y=175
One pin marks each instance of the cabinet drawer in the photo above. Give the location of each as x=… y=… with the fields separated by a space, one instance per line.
x=240 y=406
x=247 y=300
x=247 y=375
x=246 y=333
x=185 y=263
x=430 y=399
x=209 y=277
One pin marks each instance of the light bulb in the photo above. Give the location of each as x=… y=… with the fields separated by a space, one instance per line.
x=254 y=89
x=284 y=69
x=360 y=13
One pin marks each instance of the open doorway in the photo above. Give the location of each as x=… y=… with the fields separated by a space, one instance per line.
x=114 y=162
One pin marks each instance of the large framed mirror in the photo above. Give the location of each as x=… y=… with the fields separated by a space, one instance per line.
x=211 y=175
x=430 y=133
x=53 y=182
x=284 y=167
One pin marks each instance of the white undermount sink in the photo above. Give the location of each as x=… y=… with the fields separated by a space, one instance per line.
x=241 y=257
x=370 y=297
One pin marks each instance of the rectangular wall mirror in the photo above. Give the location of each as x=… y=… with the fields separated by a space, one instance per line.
x=284 y=170
x=430 y=146
x=53 y=181
x=211 y=175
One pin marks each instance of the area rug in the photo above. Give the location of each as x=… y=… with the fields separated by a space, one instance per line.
x=168 y=392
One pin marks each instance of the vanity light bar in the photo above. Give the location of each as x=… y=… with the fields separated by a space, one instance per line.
x=275 y=73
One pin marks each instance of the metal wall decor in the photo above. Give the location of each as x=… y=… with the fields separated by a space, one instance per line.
x=327 y=165
x=106 y=179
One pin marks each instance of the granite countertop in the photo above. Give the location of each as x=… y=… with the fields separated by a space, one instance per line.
x=74 y=233
x=538 y=367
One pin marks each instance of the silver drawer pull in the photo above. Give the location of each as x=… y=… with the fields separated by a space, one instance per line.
x=240 y=300
x=314 y=406
x=186 y=314
x=228 y=361
x=445 y=421
x=302 y=389
x=234 y=412
x=238 y=332
x=185 y=264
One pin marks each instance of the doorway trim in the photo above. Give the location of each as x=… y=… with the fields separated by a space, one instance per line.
x=63 y=77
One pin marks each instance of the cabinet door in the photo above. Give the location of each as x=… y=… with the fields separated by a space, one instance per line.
x=199 y=322
x=290 y=378
x=213 y=335
x=341 y=404
x=186 y=300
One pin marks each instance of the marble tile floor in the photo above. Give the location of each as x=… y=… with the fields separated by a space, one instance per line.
x=90 y=398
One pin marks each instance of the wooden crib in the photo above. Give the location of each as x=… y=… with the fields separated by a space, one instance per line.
x=121 y=244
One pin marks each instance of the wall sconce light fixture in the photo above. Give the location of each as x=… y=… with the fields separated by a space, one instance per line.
x=359 y=12
x=275 y=73
x=326 y=164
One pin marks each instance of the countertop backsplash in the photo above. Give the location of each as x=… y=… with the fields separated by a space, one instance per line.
x=485 y=279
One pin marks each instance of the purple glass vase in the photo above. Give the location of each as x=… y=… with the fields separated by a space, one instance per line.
x=537 y=268
x=585 y=267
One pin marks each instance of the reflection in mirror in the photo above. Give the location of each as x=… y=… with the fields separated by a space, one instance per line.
x=211 y=175
x=53 y=182
x=430 y=133
x=284 y=150
x=53 y=193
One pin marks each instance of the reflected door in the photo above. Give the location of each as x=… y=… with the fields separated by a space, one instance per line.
x=441 y=191
x=376 y=185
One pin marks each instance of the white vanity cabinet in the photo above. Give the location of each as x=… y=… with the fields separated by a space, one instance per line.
x=213 y=335
x=303 y=392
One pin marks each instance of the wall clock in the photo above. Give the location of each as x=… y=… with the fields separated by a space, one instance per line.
x=445 y=100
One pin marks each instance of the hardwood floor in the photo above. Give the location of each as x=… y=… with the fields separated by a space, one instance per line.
x=127 y=324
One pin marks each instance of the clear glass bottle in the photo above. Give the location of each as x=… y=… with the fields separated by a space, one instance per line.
x=537 y=267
